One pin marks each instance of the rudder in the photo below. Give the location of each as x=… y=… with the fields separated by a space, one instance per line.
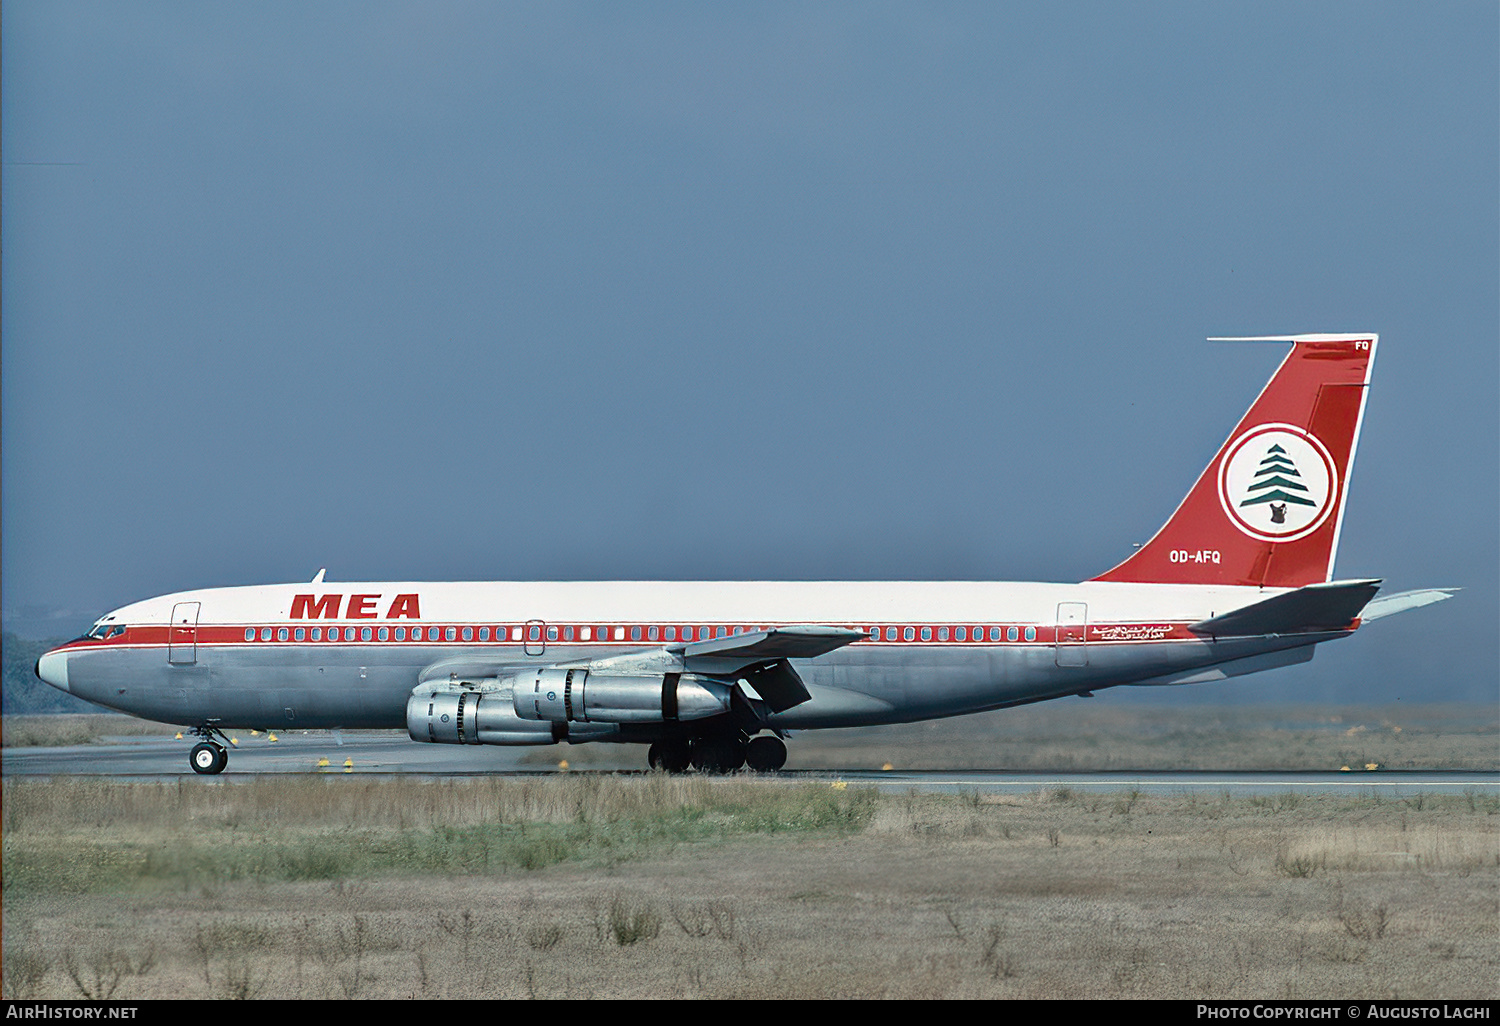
x=1268 y=508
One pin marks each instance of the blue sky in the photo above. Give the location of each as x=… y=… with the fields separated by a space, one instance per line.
x=864 y=291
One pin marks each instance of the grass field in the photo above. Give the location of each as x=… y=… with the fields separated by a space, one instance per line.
x=57 y=729
x=591 y=885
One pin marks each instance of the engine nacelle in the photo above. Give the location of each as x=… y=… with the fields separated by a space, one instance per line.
x=472 y=717
x=579 y=696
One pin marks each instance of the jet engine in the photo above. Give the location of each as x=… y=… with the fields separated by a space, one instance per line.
x=563 y=696
x=472 y=718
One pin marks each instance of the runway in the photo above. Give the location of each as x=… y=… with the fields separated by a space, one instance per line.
x=372 y=755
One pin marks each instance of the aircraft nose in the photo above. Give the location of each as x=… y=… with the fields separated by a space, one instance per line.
x=52 y=667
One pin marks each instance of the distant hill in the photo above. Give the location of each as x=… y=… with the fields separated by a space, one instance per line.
x=23 y=693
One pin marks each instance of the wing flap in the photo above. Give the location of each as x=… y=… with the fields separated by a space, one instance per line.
x=777 y=683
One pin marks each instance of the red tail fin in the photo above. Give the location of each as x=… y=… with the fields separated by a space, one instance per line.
x=1267 y=511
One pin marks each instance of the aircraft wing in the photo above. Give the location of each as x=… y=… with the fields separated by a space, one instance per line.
x=759 y=658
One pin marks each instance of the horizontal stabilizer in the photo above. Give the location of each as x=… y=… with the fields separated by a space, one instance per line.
x=1390 y=605
x=1316 y=607
x=1237 y=667
x=800 y=641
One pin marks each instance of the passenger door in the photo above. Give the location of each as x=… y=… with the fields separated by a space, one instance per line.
x=1072 y=633
x=182 y=634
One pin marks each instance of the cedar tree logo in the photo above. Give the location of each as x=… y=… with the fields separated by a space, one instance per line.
x=1277 y=483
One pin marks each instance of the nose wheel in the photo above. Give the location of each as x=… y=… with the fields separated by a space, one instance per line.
x=207 y=757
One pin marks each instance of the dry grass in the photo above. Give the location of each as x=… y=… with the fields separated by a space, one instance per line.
x=77 y=835
x=72 y=729
x=51 y=730
x=690 y=887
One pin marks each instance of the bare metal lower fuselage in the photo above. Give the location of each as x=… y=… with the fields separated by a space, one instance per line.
x=357 y=686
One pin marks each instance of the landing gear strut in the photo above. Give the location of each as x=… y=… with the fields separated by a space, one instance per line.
x=208 y=756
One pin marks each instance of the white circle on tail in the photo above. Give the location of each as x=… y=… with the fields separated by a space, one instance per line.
x=1277 y=483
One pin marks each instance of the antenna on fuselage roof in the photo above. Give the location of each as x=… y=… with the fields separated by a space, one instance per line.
x=318 y=577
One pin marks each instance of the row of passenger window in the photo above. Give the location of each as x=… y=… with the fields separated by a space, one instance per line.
x=374 y=634
x=959 y=633
x=534 y=633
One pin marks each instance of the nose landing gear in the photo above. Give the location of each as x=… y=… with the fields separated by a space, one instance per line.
x=208 y=756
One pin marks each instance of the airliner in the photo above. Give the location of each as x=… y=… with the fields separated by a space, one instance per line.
x=714 y=675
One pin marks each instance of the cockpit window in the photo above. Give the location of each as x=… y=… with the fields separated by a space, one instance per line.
x=97 y=631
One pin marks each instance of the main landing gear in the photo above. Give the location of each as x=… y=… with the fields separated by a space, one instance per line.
x=766 y=753
x=719 y=754
x=672 y=756
x=208 y=756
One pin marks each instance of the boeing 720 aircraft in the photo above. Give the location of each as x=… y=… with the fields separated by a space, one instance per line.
x=714 y=674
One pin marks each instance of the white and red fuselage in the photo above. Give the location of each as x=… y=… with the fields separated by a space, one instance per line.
x=1239 y=579
x=313 y=656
